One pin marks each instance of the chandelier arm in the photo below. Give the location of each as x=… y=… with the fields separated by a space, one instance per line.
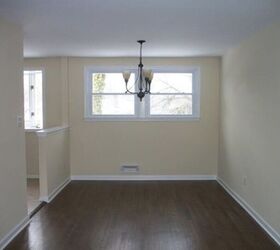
x=128 y=91
x=148 y=92
x=146 y=85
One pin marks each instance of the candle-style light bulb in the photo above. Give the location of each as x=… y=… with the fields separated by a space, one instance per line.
x=147 y=73
x=151 y=76
x=126 y=75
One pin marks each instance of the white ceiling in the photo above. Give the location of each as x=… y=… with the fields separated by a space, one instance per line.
x=111 y=27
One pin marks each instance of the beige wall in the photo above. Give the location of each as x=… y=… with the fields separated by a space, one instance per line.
x=173 y=147
x=54 y=161
x=13 y=208
x=32 y=154
x=55 y=103
x=189 y=148
x=250 y=123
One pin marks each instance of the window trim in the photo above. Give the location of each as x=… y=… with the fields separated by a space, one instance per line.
x=195 y=71
x=142 y=114
x=88 y=95
x=43 y=97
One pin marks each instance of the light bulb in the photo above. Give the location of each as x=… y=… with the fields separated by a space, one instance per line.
x=126 y=76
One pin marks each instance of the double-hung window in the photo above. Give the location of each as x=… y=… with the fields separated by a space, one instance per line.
x=105 y=95
x=175 y=95
x=33 y=99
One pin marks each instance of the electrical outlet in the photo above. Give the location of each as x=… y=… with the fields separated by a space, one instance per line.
x=19 y=121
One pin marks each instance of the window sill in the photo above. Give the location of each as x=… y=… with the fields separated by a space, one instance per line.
x=140 y=119
x=30 y=130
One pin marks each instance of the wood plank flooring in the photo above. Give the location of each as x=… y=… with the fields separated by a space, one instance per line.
x=181 y=215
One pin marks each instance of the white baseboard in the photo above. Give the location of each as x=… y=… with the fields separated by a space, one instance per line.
x=270 y=230
x=32 y=176
x=55 y=192
x=14 y=232
x=143 y=177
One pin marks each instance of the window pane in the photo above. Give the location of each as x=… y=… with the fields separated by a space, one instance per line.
x=113 y=105
x=172 y=83
x=110 y=83
x=171 y=104
x=33 y=99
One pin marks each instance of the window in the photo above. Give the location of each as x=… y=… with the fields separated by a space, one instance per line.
x=108 y=95
x=175 y=96
x=171 y=94
x=33 y=99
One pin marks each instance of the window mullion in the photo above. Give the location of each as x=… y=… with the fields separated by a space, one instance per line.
x=109 y=93
x=172 y=93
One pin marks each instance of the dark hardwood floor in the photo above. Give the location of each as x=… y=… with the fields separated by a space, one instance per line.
x=143 y=215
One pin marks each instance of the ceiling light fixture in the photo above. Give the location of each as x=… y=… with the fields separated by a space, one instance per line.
x=143 y=79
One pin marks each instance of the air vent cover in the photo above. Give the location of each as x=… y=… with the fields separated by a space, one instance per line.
x=130 y=168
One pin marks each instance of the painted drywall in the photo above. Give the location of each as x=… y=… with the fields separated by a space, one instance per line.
x=53 y=161
x=55 y=102
x=160 y=148
x=13 y=207
x=32 y=154
x=250 y=122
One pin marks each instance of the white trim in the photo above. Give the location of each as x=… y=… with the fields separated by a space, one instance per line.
x=45 y=132
x=251 y=211
x=153 y=118
x=143 y=177
x=14 y=232
x=195 y=71
x=43 y=93
x=88 y=71
x=31 y=130
x=55 y=192
x=142 y=110
x=32 y=176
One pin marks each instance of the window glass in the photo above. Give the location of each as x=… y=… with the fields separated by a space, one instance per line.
x=113 y=105
x=171 y=105
x=108 y=94
x=172 y=83
x=33 y=99
x=173 y=95
x=110 y=83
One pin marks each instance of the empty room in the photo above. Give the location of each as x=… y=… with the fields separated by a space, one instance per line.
x=139 y=125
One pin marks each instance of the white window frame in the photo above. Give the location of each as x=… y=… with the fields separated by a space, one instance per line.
x=43 y=97
x=88 y=95
x=142 y=109
x=195 y=71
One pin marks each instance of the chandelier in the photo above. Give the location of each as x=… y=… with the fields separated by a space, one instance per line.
x=143 y=79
